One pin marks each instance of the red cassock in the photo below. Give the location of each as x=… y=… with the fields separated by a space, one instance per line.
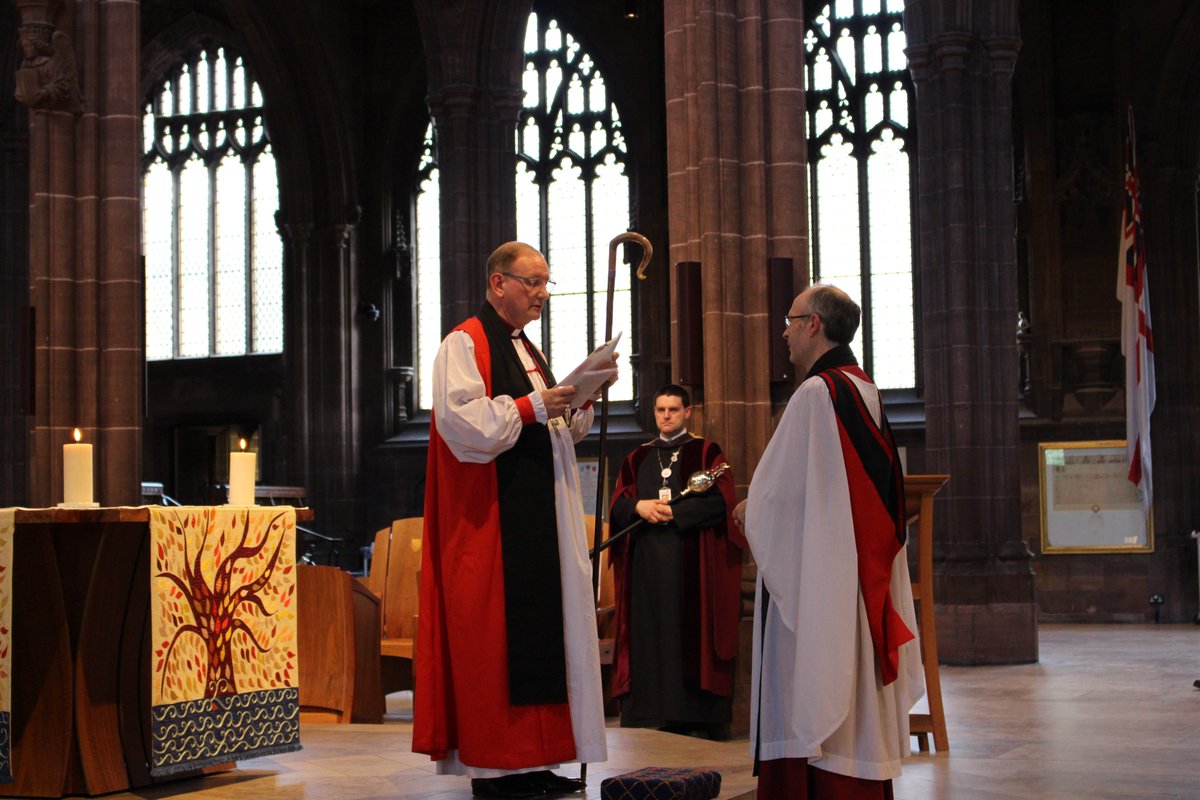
x=461 y=697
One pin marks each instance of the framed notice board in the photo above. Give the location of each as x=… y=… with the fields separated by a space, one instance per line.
x=1088 y=503
x=589 y=475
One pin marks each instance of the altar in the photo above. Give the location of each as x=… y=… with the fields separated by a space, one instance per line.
x=144 y=644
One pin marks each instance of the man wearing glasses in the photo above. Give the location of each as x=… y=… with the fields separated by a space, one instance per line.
x=836 y=663
x=507 y=659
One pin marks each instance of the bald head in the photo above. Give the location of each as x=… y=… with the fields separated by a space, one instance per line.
x=503 y=256
x=517 y=283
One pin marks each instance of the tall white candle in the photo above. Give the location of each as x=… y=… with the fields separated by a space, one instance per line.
x=241 y=477
x=77 y=472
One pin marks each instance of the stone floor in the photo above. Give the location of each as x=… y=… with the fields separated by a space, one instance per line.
x=1108 y=712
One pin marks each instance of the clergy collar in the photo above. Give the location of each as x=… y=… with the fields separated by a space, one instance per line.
x=838 y=356
x=675 y=440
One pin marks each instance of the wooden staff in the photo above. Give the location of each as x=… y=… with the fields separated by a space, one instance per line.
x=647 y=252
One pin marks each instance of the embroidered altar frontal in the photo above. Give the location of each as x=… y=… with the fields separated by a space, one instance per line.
x=223 y=610
x=6 y=549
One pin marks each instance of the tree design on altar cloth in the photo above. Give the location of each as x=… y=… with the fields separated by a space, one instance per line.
x=222 y=622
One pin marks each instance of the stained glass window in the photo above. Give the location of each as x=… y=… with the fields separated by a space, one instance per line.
x=214 y=260
x=862 y=168
x=572 y=195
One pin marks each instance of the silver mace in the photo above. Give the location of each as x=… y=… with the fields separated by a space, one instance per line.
x=699 y=483
x=647 y=252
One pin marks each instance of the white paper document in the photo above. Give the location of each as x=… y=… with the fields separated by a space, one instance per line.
x=592 y=373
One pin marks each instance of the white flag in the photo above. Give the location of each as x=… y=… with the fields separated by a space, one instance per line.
x=1137 y=336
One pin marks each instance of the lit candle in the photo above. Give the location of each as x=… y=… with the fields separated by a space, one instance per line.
x=241 y=477
x=77 y=473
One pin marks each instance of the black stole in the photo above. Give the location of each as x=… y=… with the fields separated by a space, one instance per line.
x=537 y=671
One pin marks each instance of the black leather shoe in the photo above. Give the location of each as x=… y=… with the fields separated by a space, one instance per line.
x=510 y=786
x=554 y=784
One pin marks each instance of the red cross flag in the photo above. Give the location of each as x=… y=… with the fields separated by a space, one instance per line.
x=1137 y=336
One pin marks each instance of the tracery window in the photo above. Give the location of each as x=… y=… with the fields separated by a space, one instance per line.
x=572 y=195
x=214 y=260
x=428 y=260
x=862 y=171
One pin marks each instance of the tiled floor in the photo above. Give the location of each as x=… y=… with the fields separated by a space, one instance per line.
x=1108 y=712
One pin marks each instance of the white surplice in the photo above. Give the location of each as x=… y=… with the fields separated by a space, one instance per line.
x=816 y=688
x=477 y=429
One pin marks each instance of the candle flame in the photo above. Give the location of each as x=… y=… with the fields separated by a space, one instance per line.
x=78 y=434
x=242 y=444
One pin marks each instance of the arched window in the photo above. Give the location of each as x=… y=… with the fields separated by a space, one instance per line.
x=862 y=169
x=572 y=195
x=214 y=260
x=428 y=259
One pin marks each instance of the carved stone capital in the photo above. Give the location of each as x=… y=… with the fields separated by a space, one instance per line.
x=454 y=100
x=1002 y=50
x=295 y=234
x=952 y=51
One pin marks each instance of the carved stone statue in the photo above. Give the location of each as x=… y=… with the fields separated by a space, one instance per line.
x=47 y=77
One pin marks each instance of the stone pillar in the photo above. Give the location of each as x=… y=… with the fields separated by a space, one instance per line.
x=16 y=395
x=79 y=77
x=737 y=195
x=297 y=447
x=475 y=97
x=322 y=353
x=962 y=57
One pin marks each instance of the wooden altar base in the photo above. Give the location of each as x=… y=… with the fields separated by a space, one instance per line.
x=80 y=667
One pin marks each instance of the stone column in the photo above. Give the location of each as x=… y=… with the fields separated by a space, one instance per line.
x=962 y=57
x=79 y=77
x=736 y=189
x=297 y=447
x=736 y=194
x=322 y=344
x=475 y=96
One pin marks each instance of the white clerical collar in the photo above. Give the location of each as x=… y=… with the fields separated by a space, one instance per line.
x=674 y=440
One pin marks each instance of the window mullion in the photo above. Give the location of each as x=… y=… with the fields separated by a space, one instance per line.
x=248 y=255
x=176 y=258
x=213 y=307
x=864 y=250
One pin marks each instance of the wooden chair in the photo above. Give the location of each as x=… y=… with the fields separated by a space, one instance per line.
x=395 y=568
x=918 y=500
x=606 y=622
x=606 y=618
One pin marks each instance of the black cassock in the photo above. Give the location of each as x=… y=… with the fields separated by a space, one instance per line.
x=659 y=696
